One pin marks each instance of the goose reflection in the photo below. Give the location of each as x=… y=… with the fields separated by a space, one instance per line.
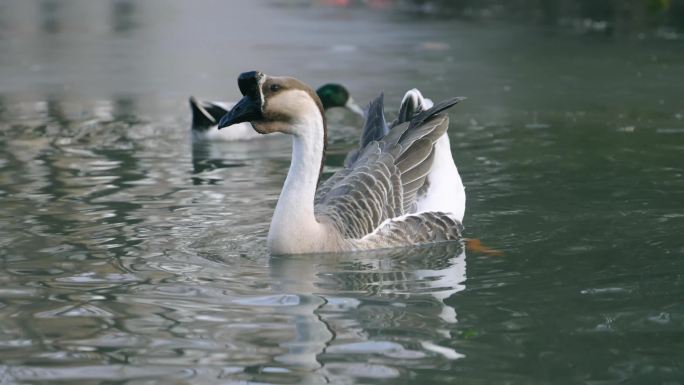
x=391 y=305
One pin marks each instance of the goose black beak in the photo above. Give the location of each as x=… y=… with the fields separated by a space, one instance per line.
x=246 y=110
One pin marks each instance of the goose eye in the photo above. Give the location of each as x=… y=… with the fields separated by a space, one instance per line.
x=275 y=87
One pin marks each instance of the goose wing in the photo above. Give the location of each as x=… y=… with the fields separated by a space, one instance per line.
x=381 y=184
x=374 y=129
x=375 y=126
x=412 y=104
x=415 y=229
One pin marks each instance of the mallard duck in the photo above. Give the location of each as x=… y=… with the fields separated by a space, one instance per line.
x=372 y=203
x=206 y=114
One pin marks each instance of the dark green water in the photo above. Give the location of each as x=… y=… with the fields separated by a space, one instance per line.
x=128 y=255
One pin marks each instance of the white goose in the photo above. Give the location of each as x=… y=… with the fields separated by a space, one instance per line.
x=373 y=203
x=206 y=114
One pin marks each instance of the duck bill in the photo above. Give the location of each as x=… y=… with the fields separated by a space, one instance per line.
x=246 y=110
x=352 y=106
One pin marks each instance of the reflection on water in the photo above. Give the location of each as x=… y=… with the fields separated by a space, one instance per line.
x=90 y=284
x=364 y=305
x=129 y=254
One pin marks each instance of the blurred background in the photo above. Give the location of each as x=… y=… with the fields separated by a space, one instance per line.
x=105 y=48
x=131 y=254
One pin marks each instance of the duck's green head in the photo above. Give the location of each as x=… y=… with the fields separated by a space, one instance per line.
x=333 y=95
x=337 y=95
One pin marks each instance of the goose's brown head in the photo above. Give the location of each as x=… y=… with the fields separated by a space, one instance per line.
x=272 y=103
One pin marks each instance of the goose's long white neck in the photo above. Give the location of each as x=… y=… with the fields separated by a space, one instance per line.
x=294 y=228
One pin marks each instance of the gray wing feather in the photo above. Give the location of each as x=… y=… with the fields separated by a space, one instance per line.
x=409 y=160
x=364 y=198
x=374 y=128
x=381 y=183
x=411 y=105
x=436 y=109
x=431 y=130
x=427 y=227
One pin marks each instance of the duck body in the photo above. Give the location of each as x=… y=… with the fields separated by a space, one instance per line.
x=370 y=204
x=205 y=117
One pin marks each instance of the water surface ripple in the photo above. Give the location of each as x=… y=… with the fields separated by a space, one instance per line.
x=130 y=255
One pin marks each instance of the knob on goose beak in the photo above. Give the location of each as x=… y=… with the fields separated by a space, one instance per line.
x=249 y=107
x=249 y=83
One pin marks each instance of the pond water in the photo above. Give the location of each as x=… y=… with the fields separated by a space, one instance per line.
x=130 y=255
